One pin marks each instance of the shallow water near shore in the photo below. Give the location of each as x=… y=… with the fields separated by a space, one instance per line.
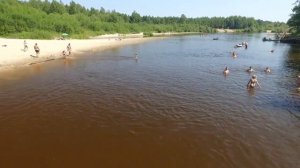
x=172 y=107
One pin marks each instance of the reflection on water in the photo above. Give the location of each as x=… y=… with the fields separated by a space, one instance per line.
x=173 y=107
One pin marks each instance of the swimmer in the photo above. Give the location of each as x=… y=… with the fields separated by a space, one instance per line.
x=250 y=69
x=226 y=71
x=234 y=55
x=267 y=70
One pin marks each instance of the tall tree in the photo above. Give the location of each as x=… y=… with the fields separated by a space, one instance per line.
x=57 y=7
x=294 y=21
x=135 y=17
x=183 y=18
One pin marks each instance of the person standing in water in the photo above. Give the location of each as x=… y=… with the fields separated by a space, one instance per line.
x=234 y=54
x=226 y=71
x=250 y=69
x=267 y=70
x=36 y=49
x=69 y=49
x=253 y=82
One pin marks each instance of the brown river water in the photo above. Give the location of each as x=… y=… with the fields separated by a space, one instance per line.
x=172 y=107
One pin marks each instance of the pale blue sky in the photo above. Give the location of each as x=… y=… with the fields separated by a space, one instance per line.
x=272 y=10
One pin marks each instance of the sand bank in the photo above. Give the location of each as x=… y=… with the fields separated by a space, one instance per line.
x=226 y=30
x=13 y=54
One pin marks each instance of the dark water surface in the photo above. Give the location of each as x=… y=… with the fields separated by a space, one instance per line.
x=171 y=108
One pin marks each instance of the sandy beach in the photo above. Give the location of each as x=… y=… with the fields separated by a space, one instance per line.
x=13 y=54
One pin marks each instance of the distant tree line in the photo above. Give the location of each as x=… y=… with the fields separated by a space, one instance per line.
x=46 y=19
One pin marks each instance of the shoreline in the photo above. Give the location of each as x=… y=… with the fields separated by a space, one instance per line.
x=13 y=56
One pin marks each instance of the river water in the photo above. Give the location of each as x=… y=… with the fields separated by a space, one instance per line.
x=173 y=107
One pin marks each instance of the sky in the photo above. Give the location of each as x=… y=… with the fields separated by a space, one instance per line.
x=271 y=10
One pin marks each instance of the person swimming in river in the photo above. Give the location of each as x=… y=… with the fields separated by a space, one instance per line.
x=234 y=55
x=250 y=69
x=253 y=82
x=226 y=71
x=267 y=70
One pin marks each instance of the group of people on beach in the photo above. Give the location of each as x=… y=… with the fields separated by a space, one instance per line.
x=37 y=49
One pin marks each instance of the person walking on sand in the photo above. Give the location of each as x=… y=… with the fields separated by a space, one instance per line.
x=36 y=49
x=69 y=49
x=25 y=46
x=253 y=82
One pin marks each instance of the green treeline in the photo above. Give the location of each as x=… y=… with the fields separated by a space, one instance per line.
x=294 y=21
x=48 y=19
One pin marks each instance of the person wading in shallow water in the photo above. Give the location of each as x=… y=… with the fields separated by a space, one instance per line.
x=234 y=55
x=226 y=71
x=69 y=49
x=250 y=69
x=267 y=70
x=64 y=54
x=36 y=49
x=253 y=82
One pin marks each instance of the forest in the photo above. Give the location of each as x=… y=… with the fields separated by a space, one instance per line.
x=48 y=19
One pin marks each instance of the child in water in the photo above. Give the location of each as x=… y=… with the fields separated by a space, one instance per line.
x=252 y=82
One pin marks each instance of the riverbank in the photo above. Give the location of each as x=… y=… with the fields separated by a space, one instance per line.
x=174 y=34
x=291 y=40
x=227 y=30
x=13 y=54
